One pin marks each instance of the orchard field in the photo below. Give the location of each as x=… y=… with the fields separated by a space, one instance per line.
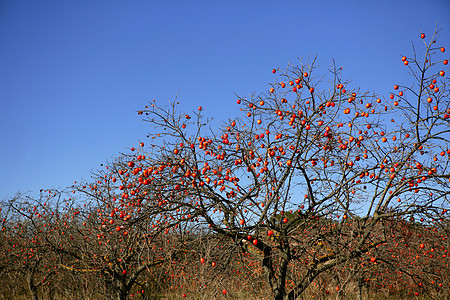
x=318 y=190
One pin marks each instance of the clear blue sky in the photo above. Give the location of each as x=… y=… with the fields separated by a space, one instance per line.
x=73 y=73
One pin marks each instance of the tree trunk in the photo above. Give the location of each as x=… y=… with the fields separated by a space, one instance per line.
x=360 y=285
x=122 y=289
x=360 y=291
x=280 y=289
x=32 y=287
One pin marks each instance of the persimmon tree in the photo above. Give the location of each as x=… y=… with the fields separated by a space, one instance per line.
x=106 y=240
x=27 y=254
x=308 y=153
x=56 y=234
